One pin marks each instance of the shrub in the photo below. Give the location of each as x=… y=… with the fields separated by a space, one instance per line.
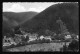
x=74 y=45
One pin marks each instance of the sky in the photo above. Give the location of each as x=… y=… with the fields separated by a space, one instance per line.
x=26 y=6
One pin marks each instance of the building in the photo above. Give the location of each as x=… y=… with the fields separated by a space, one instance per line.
x=48 y=37
x=77 y=36
x=8 y=41
x=41 y=37
x=25 y=35
x=68 y=37
x=32 y=37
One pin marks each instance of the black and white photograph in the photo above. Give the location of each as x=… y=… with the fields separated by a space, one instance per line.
x=40 y=27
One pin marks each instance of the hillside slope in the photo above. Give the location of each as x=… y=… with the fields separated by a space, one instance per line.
x=68 y=12
x=19 y=17
x=11 y=20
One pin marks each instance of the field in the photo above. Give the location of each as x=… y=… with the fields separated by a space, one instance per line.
x=39 y=47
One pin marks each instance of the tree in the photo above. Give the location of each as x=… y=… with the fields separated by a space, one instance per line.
x=49 y=33
x=63 y=28
x=56 y=37
x=62 y=37
x=27 y=38
x=17 y=30
x=17 y=39
x=65 y=47
x=74 y=45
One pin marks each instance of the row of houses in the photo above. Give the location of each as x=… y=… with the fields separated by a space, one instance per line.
x=18 y=38
x=32 y=37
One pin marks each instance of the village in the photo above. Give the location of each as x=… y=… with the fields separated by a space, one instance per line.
x=33 y=38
